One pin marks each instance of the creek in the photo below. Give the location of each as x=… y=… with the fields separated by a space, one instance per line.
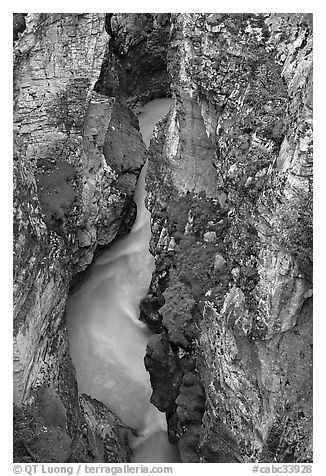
x=107 y=339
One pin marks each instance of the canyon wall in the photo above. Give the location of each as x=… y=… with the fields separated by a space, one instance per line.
x=230 y=191
x=77 y=155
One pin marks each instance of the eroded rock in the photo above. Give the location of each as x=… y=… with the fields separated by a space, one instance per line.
x=247 y=150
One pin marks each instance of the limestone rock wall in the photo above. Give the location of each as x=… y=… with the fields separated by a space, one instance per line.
x=73 y=188
x=230 y=191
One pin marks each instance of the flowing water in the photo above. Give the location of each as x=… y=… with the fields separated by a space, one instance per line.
x=107 y=340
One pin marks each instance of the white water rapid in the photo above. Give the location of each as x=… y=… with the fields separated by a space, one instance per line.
x=107 y=340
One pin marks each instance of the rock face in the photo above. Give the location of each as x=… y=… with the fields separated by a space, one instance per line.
x=135 y=65
x=72 y=194
x=40 y=432
x=230 y=191
x=108 y=436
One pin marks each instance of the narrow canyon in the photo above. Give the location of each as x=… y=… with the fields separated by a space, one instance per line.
x=107 y=339
x=163 y=189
